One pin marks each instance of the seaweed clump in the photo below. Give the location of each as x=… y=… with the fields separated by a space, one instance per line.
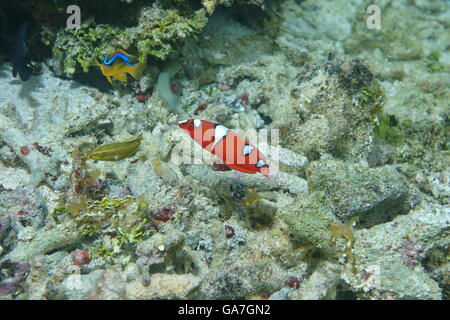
x=156 y=34
x=113 y=223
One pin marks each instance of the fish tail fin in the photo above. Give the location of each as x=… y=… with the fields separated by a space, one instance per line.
x=137 y=70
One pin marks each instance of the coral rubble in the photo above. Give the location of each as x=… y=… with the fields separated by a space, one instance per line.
x=99 y=198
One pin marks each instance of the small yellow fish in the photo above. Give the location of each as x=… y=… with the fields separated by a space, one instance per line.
x=119 y=63
x=115 y=151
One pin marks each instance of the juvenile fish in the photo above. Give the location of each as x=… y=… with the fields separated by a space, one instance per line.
x=119 y=63
x=115 y=151
x=17 y=52
x=231 y=149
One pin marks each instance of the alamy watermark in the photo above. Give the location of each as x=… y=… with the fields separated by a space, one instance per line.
x=73 y=281
x=74 y=20
x=374 y=20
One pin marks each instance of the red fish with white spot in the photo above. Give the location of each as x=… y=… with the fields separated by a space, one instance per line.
x=230 y=148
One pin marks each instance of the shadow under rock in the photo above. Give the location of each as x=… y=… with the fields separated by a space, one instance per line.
x=28 y=87
x=94 y=78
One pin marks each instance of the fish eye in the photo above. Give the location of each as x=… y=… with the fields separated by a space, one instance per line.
x=191 y=125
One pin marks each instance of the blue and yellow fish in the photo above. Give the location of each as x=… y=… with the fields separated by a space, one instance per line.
x=119 y=63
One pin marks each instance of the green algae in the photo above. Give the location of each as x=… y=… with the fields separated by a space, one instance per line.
x=156 y=35
x=434 y=65
x=123 y=221
x=387 y=129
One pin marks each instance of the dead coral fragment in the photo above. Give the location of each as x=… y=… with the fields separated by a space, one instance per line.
x=115 y=151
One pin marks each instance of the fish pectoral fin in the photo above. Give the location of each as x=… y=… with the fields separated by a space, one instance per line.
x=106 y=74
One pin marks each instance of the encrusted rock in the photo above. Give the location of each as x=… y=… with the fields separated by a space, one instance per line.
x=163 y=286
x=390 y=256
x=320 y=285
x=374 y=195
